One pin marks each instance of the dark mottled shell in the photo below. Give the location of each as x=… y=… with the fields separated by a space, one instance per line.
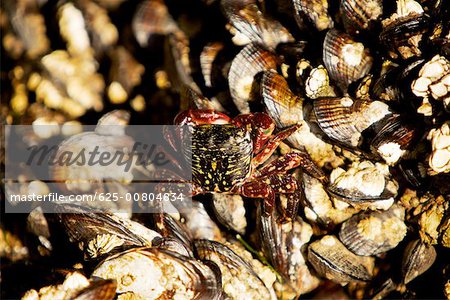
x=316 y=12
x=351 y=236
x=355 y=196
x=417 y=258
x=345 y=59
x=395 y=84
x=250 y=61
x=394 y=132
x=382 y=291
x=401 y=32
x=221 y=156
x=344 y=119
x=251 y=23
x=152 y=17
x=357 y=14
x=331 y=259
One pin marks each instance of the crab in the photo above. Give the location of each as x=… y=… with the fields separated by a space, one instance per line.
x=228 y=155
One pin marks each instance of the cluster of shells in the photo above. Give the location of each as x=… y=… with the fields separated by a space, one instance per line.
x=369 y=82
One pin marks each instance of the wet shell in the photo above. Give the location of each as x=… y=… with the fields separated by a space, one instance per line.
x=207 y=58
x=417 y=259
x=316 y=12
x=382 y=291
x=357 y=14
x=152 y=17
x=200 y=224
x=372 y=233
x=286 y=109
x=389 y=87
x=101 y=233
x=250 y=25
x=158 y=274
x=362 y=183
x=332 y=260
x=239 y=280
x=393 y=139
x=99 y=289
x=345 y=59
x=230 y=211
x=250 y=61
x=404 y=35
x=344 y=119
x=283 y=243
x=283 y=106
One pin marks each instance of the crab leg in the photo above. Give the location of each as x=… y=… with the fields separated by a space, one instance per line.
x=282 y=183
x=289 y=161
x=259 y=189
x=287 y=184
x=272 y=145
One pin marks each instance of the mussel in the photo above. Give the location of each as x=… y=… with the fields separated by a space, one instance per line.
x=332 y=260
x=345 y=59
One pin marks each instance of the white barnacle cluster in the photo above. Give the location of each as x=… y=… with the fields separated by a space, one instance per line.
x=366 y=177
x=73 y=284
x=366 y=180
x=433 y=82
x=439 y=158
x=318 y=84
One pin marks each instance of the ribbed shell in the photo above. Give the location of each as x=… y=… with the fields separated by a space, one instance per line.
x=361 y=245
x=250 y=61
x=393 y=131
x=417 y=258
x=282 y=245
x=345 y=59
x=230 y=262
x=358 y=13
x=331 y=259
x=316 y=11
x=402 y=31
x=83 y=225
x=207 y=57
x=344 y=119
x=255 y=27
x=152 y=17
x=357 y=196
x=282 y=105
